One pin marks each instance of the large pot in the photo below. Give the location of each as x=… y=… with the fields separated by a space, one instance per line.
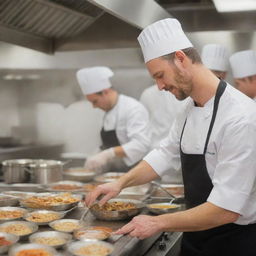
x=46 y=171
x=16 y=170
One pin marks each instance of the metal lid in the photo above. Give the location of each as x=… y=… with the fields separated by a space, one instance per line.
x=18 y=162
x=45 y=163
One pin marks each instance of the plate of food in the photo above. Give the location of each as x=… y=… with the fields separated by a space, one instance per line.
x=93 y=233
x=65 y=185
x=51 y=201
x=161 y=208
x=66 y=225
x=8 y=200
x=6 y=241
x=11 y=213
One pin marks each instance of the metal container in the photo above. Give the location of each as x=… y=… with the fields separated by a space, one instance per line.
x=79 y=174
x=9 y=237
x=46 y=171
x=11 y=209
x=162 y=208
x=16 y=170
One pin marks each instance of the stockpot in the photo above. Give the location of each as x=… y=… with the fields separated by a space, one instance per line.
x=46 y=171
x=15 y=170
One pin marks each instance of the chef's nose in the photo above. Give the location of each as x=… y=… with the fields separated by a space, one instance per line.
x=160 y=84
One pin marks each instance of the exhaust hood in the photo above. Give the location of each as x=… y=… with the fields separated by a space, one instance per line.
x=46 y=25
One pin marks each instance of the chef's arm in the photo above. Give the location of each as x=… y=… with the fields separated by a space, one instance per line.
x=119 y=151
x=202 y=217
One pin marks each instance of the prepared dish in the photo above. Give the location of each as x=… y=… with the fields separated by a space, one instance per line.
x=33 y=252
x=93 y=250
x=51 y=241
x=66 y=187
x=42 y=217
x=66 y=225
x=48 y=201
x=163 y=206
x=10 y=214
x=115 y=206
x=19 y=229
x=98 y=233
x=4 y=242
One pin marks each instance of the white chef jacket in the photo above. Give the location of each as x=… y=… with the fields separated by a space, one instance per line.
x=231 y=152
x=130 y=120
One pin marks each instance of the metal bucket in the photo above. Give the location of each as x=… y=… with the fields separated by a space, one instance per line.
x=15 y=170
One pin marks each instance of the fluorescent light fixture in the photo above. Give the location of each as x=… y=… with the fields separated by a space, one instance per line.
x=235 y=5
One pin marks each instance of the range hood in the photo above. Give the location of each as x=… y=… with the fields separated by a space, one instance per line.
x=49 y=25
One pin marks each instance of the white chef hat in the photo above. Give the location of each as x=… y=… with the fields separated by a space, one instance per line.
x=215 y=57
x=243 y=64
x=94 y=79
x=161 y=38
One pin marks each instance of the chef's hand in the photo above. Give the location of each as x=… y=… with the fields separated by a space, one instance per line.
x=141 y=226
x=107 y=190
x=98 y=161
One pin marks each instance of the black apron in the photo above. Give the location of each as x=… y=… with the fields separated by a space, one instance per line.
x=109 y=139
x=230 y=239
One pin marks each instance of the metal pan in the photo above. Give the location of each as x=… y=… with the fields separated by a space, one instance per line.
x=58 y=206
x=35 y=216
x=9 y=237
x=47 y=238
x=19 y=228
x=79 y=174
x=65 y=225
x=16 y=249
x=162 y=208
x=102 y=214
x=108 y=177
x=12 y=209
x=74 y=247
x=8 y=200
x=64 y=186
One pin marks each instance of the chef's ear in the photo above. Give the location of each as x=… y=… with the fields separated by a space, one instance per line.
x=180 y=60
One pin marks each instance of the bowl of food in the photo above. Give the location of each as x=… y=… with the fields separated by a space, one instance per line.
x=90 y=248
x=79 y=174
x=117 y=209
x=19 y=228
x=32 y=250
x=6 y=240
x=51 y=201
x=66 y=185
x=66 y=225
x=93 y=233
x=51 y=238
x=43 y=217
x=161 y=208
x=108 y=177
x=8 y=200
x=11 y=213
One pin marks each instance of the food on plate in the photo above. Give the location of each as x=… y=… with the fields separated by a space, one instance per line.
x=66 y=187
x=66 y=226
x=98 y=233
x=17 y=229
x=93 y=250
x=4 y=214
x=42 y=217
x=33 y=252
x=163 y=206
x=114 y=206
x=47 y=201
x=4 y=242
x=51 y=241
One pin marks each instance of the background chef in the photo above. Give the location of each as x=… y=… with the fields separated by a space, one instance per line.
x=215 y=57
x=215 y=140
x=124 y=133
x=243 y=65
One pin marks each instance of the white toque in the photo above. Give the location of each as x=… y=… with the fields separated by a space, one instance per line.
x=243 y=64
x=161 y=38
x=215 y=57
x=94 y=79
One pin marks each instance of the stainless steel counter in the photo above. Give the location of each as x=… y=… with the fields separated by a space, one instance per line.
x=160 y=244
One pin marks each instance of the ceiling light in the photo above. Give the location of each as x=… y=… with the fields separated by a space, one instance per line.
x=235 y=5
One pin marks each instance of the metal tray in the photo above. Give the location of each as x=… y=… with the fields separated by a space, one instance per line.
x=118 y=215
x=53 y=207
x=9 y=237
x=50 y=187
x=15 y=249
x=73 y=247
x=51 y=234
x=22 y=210
x=59 y=215
x=109 y=176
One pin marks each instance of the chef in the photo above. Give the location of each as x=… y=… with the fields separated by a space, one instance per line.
x=243 y=65
x=215 y=57
x=215 y=140
x=125 y=126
